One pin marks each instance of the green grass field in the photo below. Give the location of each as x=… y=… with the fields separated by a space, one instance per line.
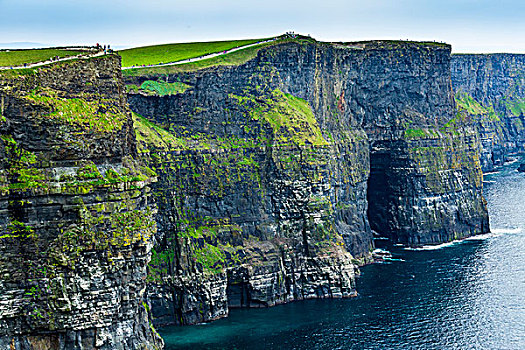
x=19 y=57
x=231 y=59
x=156 y=54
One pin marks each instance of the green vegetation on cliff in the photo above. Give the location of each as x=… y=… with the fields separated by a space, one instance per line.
x=99 y=115
x=290 y=117
x=104 y=227
x=411 y=133
x=151 y=136
x=155 y=54
x=22 y=173
x=516 y=106
x=159 y=88
x=467 y=102
x=19 y=57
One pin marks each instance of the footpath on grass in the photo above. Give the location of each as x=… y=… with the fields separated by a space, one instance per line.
x=88 y=54
x=204 y=57
x=101 y=52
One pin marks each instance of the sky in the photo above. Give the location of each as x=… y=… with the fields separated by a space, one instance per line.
x=475 y=26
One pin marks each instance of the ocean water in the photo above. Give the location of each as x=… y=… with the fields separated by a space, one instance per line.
x=464 y=295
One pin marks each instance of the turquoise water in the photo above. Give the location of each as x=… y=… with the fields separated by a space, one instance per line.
x=467 y=295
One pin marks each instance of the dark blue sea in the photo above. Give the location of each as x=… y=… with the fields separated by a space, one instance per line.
x=464 y=295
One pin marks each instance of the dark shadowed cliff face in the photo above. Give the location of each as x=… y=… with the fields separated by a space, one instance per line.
x=272 y=172
x=76 y=220
x=425 y=181
x=491 y=88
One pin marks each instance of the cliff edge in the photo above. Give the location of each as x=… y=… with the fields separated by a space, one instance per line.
x=491 y=89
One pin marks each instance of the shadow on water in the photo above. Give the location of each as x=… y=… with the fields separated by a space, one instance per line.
x=469 y=295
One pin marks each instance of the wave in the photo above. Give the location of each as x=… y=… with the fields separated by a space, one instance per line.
x=434 y=247
x=491 y=173
x=499 y=231
x=394 y=259
x=482 y=237
x=494 y=233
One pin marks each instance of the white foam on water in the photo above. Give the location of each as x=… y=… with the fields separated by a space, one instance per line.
x=434 y=247
x=494 y=233
x=491 y=173
x=481 y=237
x=500 y=231
x=394 y=259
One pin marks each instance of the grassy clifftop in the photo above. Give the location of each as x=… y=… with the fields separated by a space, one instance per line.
x=157 y=54
x=19 y=57
x=230 y=59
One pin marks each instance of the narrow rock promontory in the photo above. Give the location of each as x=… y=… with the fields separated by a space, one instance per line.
x=76 y=216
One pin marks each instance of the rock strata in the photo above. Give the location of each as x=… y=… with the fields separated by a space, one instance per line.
x=271 y=172
x=77 y=222
x=244 y=185
x=491 y=89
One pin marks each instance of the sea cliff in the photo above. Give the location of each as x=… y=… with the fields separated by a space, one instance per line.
x=77 y=222
x=273 y=172
x=491 y=88
x=171 y=195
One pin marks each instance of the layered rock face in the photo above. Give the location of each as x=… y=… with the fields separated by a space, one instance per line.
x=425 y=182
x=271 y=172
x=76 y=220
x=260 y=188
x=271 y=176
x=491 y=88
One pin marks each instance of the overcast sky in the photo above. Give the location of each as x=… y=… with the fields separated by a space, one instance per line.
x=469 y=25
